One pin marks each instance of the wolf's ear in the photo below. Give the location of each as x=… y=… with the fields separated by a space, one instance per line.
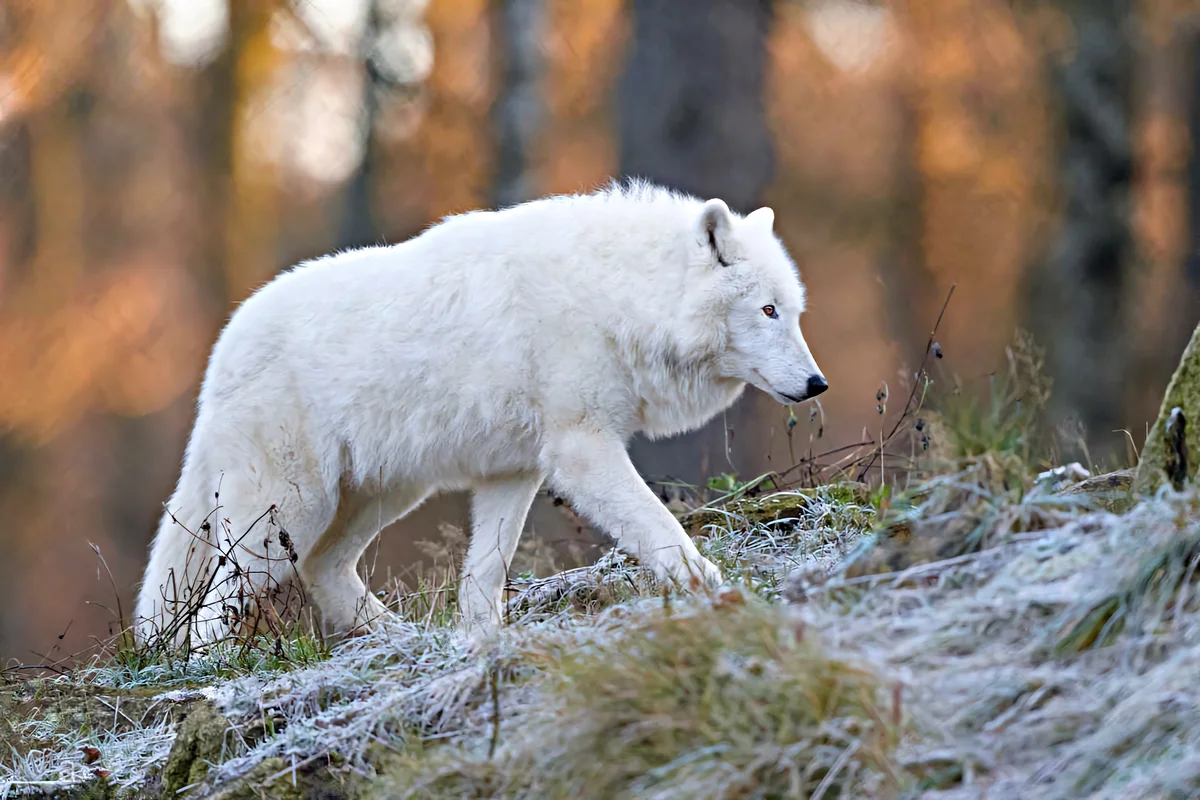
x=716 y=225
x=763 y=218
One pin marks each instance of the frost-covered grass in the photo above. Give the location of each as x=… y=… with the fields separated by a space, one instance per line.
x=1060 y=663
x=729 y=696
x=127 y=667
x=817 y=529
x=415 y=685
x=55 y=737
x=993 y=638
x=59 y=762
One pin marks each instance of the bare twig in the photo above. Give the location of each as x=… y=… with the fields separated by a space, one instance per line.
x=916 y=384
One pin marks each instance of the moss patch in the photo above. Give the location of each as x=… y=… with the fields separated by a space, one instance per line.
x=754 y=511
x=1111 y=491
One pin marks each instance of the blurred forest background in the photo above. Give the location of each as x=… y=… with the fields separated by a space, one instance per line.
x=160 y=159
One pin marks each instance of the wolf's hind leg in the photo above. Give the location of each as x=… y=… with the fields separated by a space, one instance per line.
x=218 y=560
x=330 y=569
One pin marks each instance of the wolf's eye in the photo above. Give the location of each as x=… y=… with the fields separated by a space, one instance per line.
x=770 y=312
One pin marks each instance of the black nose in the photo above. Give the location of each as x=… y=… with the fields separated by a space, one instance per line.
x=816 y=385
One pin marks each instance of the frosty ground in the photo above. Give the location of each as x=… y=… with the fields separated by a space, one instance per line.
x=981 y=634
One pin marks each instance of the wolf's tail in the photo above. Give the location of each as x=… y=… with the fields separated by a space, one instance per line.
x=174 y=601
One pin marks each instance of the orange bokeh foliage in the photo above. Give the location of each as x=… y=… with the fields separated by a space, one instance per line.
x=148 y=208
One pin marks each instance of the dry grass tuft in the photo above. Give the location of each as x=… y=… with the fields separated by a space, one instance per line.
x=987 y=500
x=723 y=697
x=734 y=694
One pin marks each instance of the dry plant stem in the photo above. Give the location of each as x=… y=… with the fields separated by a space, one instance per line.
x=916 y=384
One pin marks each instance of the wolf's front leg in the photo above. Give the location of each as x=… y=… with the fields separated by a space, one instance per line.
x=498 y=511
x=594 y=472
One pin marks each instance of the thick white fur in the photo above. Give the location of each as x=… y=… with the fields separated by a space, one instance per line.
x=492 y=352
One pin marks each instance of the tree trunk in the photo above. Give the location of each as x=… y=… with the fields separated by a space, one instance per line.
x=691 y=117
x=1080 y=300
x=358 y=228
x=517 y=113
x=1187 y=301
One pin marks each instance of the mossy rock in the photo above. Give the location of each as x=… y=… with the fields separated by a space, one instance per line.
x=95 y=789
x=61 y=704
x=768 y=508
x=72 y=705
x=318 y=779
x=199 y=744
x=1178 y=424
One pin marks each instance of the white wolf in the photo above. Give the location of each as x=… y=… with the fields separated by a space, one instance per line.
x=493 y=352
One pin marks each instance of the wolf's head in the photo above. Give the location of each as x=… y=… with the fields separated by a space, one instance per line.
x=757 y=287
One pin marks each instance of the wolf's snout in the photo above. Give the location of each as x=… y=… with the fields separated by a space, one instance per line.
x=815 y=385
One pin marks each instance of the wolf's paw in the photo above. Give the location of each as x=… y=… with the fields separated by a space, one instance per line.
x=371 y=614
x=353 y=616
x=694 y=573
x=476 y=634
x=707 y=574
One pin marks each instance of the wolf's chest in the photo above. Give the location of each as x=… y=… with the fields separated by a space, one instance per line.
x=685 y=405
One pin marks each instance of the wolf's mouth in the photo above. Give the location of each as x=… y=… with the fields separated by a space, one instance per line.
x=766 y=383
